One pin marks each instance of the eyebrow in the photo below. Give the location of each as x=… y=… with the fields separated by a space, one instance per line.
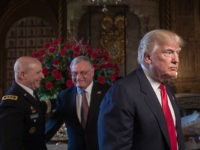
x=169 y=49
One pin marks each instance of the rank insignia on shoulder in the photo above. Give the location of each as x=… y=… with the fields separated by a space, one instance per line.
x=10 y=97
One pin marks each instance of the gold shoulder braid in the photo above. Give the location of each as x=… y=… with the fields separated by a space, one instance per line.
x=10 y=97
x=48 y=103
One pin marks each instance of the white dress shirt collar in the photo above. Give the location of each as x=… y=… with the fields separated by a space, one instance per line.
x=27 y=89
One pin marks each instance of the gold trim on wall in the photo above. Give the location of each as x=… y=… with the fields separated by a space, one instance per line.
x=113 y=37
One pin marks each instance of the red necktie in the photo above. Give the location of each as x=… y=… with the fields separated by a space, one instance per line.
x=168 y=118
x=84 y=109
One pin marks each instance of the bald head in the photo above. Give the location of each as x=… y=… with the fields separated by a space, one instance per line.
x=28 y=71
x=24 y=64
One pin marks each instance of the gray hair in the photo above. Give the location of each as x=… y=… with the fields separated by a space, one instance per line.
x=156 y=37
x=79 y=59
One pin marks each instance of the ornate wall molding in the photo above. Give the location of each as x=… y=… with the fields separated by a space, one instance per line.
x=113 y=37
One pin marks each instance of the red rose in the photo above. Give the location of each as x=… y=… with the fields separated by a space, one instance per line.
x=68 y=46
x=113 y=77
x=41 y=59
x=77 y=48
x=44 y=70
x=52 y=49
x=55 y=71
x=56 y=62
x=101 y=79
x=34 y=54
x=69 y=83
x=94 y=55
x=48 y=85
x=41 y=52
x=106 y=56
x=62 y=52
x=57 y=76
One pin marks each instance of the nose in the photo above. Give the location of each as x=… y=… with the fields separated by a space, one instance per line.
x=78 y=77
x=42 y=75
x=175 y=57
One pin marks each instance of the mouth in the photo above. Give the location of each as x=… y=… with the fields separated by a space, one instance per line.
x=174 y=68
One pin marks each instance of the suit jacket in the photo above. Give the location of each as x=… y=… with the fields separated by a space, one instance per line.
x=78 y=138
x=21 y=121
x=131 y=117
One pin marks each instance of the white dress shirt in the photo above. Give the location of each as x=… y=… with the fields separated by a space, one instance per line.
x=88 y=92
x=155 y=85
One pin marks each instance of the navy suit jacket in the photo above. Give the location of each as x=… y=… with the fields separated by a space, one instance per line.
x=78 y=138
x=131 y=117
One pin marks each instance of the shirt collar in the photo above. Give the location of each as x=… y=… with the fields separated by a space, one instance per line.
x=88 y=89
x=27 y=89
x=155 y=85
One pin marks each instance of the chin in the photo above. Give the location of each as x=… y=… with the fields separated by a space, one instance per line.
x=79 y=85
x=173 y=76
x=168 y=77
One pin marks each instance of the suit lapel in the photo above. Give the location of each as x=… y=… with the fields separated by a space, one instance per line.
x=74 y=109
x=173 y=102
x=172 y=99
x=177 y=116
x=152 y=101
x=95 y=100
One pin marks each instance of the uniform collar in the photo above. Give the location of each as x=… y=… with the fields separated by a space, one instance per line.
x=27 y=89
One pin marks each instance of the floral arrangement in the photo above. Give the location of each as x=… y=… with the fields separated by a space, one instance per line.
x=56 y=58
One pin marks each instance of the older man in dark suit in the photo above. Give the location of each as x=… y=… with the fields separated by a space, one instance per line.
x=138 y=113
x=78 y=107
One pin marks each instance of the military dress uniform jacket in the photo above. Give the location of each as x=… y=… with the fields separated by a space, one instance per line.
x=21 y=121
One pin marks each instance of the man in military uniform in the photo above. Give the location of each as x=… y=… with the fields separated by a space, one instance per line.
x=22 y=115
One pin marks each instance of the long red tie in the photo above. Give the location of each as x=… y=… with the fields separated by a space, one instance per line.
x=168 y=118
x=84 y=109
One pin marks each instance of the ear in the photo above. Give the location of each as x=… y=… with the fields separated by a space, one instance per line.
x=21 y=75
x=147 y=58
x=92 y=71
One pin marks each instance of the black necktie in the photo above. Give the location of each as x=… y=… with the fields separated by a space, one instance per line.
x=84 y=109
